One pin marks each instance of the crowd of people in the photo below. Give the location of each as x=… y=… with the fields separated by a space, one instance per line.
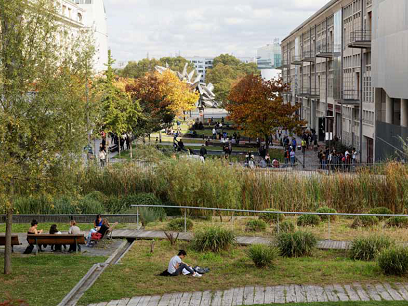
x=333 y=160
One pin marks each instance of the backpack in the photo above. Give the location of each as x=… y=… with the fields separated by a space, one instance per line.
x=165 y=273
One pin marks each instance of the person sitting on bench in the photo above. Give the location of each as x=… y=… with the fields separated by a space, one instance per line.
x=100 y=233
x=176 y=265
x=33 y=231
x=74 y=230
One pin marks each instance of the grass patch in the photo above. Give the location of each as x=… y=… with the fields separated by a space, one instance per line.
x=137 y=275
x=44 y=280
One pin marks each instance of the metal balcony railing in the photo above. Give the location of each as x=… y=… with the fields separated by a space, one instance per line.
x=313 y=93
x=296 y=60
x=327 y=50
x=350 y=97
x=283 y=64
x=360 y=39
x=309 y=56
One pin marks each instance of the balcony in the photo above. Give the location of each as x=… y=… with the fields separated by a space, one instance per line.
x=350 y=97
x=311 y=93
x=360 y=39
x=284 y=64
x=328 y=51
x=296 y=60
x=309 y=56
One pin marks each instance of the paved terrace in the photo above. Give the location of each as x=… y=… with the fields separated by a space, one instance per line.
x=272 y=295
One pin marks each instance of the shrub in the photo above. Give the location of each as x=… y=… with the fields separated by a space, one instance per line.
x=142 y=199
x=88 y=205
x=296 y=244
x=367 y=248
x=271 y=218
x=326 y=209
x=256 y=225
x=115 y=205
x=394 y=261
x=149 y=215
x=262 y=255
x=401 y=222
x=213 y=239
x=64 y=206
x=178 y=225
x=33 y=205
x=381 y=211
x=311 y=220
x=365 y=221
x=285 y=227
x=96 y=195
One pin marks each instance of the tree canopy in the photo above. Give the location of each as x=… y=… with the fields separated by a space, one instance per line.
x=161 y=97
x=226 y=70
x=137 y=69
x=257 y=106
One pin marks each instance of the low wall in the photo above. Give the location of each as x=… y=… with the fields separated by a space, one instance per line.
x=67 y=218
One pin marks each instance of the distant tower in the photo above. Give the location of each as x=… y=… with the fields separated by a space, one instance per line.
x=95 y=19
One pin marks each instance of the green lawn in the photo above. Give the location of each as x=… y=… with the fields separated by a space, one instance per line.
x=137 y=275
x=44 y=280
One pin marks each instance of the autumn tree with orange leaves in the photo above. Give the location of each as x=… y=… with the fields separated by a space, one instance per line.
x=162 y=97
x=257 y=107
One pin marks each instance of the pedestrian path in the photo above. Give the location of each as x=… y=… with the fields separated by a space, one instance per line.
x=256 y=295
x=241 y=240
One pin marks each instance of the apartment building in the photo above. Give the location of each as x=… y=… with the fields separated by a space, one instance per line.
x=89 y=15
x=348 y=83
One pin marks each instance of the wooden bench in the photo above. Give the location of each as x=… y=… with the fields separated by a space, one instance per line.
x=14 y=240
x=55 y=239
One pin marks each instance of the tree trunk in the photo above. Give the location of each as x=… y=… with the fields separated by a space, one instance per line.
x=267 y=143
x=119 y=143
x=7 y=252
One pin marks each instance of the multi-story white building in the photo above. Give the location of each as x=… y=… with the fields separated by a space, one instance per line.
x=91 y=15
x=269 y=56
x=348 y=68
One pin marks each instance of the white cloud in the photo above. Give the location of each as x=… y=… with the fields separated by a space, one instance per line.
x=207 y=28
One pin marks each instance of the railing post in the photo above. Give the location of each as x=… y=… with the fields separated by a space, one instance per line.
x=278 y=223
x=329 y=225
x=137 y=217
x=185 y=220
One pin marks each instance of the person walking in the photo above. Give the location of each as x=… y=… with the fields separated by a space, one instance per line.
x=292 y=158
x=203 y=153
x=102 y=156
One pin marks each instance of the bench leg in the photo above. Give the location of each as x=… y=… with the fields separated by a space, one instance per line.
x=76 y=246
x=36 y=247
x=12 y=248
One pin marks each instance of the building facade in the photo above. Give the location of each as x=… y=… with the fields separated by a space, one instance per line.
x=269 y=56
x=89 y=15
x=340 y=65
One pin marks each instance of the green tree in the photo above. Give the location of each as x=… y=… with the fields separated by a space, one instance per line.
x=120 y=113
x=42 y=102
x=140 y=68
x=226 y=71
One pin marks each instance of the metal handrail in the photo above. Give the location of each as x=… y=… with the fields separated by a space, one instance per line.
x=328 y=48
x=259 y=212
x=351 y=94
x=360 y=35
x=308 y=54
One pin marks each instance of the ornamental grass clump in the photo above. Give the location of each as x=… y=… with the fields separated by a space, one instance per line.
x=262 y=255
x=365 y=221
x=285 y=227
x=308 y=220
x=214 y=239
x=296 y=244
x=256 y=225
x=270 y=217
x=401 y=222
x=326 y=209
x=394 y=261
x=368 y=248
x=177 y=225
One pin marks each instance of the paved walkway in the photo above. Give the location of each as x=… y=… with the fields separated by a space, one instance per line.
x=251 y=295
x=242 y=240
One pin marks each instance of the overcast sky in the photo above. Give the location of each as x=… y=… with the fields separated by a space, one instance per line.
x=203 y=28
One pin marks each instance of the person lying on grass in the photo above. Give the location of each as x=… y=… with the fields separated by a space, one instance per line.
x=176 y=265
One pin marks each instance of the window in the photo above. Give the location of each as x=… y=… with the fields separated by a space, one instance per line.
x=64 y=10
x=79 y=17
